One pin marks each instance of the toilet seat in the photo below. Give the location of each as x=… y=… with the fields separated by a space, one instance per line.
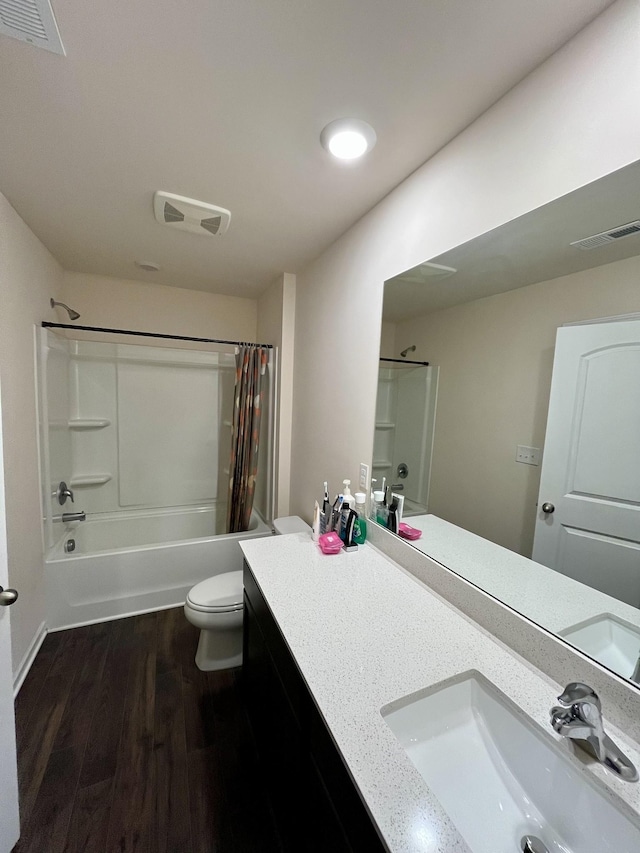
x=219 y=594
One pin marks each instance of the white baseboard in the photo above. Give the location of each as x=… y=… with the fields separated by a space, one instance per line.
x=29 y=657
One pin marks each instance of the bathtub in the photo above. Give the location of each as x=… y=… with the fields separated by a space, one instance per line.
x=130 y=563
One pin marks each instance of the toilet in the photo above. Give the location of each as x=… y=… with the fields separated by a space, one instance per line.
x=215 y=606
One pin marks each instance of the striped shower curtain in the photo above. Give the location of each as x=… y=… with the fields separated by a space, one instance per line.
x=251 y=365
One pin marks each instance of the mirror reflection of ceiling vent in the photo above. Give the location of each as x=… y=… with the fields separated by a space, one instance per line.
x=32 y=21
x=189 y=214
x=425 y=272
x=608 y=236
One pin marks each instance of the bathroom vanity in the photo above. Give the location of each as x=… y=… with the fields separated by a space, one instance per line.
x=311 y=787
x=341 y=652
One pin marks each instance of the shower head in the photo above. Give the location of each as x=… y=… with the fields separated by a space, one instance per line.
x=73 y=315
x=407 y=350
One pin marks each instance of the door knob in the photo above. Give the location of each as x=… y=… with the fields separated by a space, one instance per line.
x=548 y=508
x=7 y=596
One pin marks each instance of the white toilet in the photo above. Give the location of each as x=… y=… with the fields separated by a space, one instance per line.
x=215 y=606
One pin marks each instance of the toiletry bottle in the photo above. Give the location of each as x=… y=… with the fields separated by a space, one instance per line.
x=392 y=515
x=315 y=530
x=341 y=526
x=347 y=498
x=379 y=510
x=360 y=526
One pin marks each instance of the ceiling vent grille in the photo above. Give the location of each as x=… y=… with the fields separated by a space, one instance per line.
x=32 y=21
x=608 y=236
x=187 y=214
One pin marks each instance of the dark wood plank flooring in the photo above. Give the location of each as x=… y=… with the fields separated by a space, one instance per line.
x=124 y=745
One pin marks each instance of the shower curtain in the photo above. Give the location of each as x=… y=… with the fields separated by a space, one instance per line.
x=251 y=364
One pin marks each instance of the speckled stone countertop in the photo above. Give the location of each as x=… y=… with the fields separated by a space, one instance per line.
x=547 y=597
x=365 y=633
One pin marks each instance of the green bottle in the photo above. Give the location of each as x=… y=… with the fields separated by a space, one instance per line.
x=360 y=526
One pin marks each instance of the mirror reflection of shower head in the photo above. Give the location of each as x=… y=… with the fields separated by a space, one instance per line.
x=408 y=350
x=73 y=315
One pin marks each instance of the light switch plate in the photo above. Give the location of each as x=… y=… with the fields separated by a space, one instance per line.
x=364 y=477
x=528 y=455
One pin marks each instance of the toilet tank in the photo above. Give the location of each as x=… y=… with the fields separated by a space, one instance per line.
x=290 y=524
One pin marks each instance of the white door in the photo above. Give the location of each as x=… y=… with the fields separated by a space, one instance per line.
x=9 y=817
x=588 y=515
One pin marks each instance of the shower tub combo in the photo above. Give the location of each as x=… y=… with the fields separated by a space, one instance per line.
x=141 y=435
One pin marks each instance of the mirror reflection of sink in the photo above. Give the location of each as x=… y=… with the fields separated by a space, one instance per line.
x=610 y=640
x=499 y=778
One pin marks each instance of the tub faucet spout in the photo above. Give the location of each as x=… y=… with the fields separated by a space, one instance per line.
x=67 y=517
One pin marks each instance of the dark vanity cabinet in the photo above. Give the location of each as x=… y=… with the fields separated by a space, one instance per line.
x=317 y=805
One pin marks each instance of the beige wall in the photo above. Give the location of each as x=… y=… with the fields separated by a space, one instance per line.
x=29 y=277
x=495 y=357
x=276 y=323
x=545 y=138
x=125 y=304
x=388 y=341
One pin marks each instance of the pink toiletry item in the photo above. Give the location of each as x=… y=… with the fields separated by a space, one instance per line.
x=408 y=532
x=330 y=543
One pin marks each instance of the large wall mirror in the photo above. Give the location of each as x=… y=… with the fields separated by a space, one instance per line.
x=509 y=406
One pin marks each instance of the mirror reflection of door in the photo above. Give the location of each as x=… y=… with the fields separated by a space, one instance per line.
x=588 y=521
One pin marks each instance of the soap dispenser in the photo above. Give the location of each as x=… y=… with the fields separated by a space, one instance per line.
x=347 y=498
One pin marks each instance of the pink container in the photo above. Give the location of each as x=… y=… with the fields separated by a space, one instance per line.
x=408 y=532
x=330 y=543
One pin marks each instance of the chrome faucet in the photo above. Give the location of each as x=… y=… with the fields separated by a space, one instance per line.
x=579 y=717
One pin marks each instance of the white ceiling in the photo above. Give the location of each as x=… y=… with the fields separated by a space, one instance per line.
x=224 y=102
x=535 y=247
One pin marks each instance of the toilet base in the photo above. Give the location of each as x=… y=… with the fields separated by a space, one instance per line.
x=219 y=650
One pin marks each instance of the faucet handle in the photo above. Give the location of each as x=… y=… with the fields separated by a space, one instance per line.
x=577 y=693
x=63 y=492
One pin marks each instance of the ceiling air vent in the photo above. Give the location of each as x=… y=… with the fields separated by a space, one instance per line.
x=189 y=214
x=608 y=236
x=32 y=21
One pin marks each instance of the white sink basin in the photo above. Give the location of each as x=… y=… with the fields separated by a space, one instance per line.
x=610 y=640
x=499 y=777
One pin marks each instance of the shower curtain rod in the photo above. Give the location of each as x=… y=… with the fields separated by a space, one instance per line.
x=47 y=325
x=401 y=361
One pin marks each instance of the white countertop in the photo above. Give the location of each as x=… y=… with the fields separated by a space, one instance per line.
x=365 y=633
x=547 y=597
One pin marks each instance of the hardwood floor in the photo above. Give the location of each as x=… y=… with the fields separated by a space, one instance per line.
x=124 y=745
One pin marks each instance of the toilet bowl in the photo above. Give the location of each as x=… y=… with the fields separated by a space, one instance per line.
x=215 y=606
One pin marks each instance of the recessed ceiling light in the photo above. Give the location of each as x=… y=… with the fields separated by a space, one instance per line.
x=348 y=138
x=148 y=266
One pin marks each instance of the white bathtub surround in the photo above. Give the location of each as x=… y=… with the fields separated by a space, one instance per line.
x=133 y=427
x=144 y=562
x=142 y=436
x=365 y=634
